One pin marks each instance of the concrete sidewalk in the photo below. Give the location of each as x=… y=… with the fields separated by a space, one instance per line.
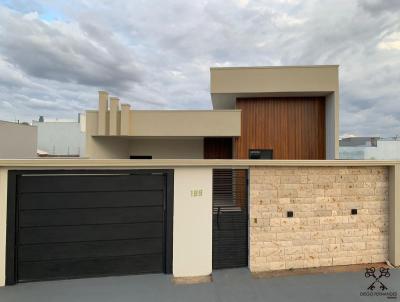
x=228 y=285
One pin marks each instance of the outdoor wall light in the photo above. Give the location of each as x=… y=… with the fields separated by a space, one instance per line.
x=353 y=211
x=289 y=214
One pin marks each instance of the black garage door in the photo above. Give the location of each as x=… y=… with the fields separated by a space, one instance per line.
x=83 y=225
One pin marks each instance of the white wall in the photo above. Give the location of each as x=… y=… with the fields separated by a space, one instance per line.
x=60 y=138
x=192 y=242
x=352 y=152
x=389 y=150
x=384 y=150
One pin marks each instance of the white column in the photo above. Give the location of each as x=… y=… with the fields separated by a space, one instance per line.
x=192 y=242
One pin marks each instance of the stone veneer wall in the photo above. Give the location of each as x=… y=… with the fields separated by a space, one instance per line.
x=322 y=232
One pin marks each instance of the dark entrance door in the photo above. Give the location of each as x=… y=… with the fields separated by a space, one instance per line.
x=230 y=218
x=218 y=148
x=74 y=225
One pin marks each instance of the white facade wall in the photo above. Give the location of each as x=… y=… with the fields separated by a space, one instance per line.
x=61 y=138
x=386 y=150
x=192 y=237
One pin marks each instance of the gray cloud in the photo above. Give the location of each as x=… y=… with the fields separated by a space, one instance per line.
x=81 y=53
x=157 y=54
x=380 y=6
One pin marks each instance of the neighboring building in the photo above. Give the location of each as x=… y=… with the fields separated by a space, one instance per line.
x=17 y=140
x=61 y=138
x=369 y=148
x=358 y=141
x=258 y=112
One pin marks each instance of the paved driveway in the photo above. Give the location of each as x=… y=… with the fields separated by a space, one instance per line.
x=229 y=285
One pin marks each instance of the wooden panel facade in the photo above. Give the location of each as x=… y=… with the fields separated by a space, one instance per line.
x=293 y=127
x=217 y=148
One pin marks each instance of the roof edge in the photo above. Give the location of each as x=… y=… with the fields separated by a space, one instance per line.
x=276 y=67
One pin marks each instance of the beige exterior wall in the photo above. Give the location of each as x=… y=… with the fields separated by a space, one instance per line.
x=121 y=148
x=114 y=116
x=168 y=148
x=229 y=83
x=125 y=119
x=178 y=134
x=185 y=123
x=103 y=146
x=98 y=147
x=276 y=79
x=322 y=232
x=17 y=140
x=168 y=163
x=102 y=121
x=394 y=214
x=192 y=235
x=169 y=123
x=3 y=224
x=107 y=147
x=332 y=125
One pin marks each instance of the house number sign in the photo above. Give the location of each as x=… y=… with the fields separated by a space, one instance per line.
x=196 y=192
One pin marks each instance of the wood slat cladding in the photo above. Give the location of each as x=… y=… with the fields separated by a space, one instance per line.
x=293 y=127
x=217 y=148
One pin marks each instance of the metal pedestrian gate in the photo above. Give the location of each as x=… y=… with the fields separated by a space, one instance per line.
x=230 y=218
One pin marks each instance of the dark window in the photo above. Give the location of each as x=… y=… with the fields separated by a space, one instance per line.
x=260 y=154
x=217 y=148
x=140 y=157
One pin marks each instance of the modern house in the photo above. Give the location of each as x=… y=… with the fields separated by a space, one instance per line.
x=23 y=143
x=202 y=203
x=258 y=112
x=369 y=148
x=60 y=137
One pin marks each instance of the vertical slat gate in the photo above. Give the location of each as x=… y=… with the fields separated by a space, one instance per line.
x=230 y=218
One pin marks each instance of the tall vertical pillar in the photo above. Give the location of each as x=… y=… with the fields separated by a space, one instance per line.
x=114 y=108
x=125 y=119
x=394 y=214
x=102 y=116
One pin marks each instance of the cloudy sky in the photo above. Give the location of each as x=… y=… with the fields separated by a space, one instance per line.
x=56 y=55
